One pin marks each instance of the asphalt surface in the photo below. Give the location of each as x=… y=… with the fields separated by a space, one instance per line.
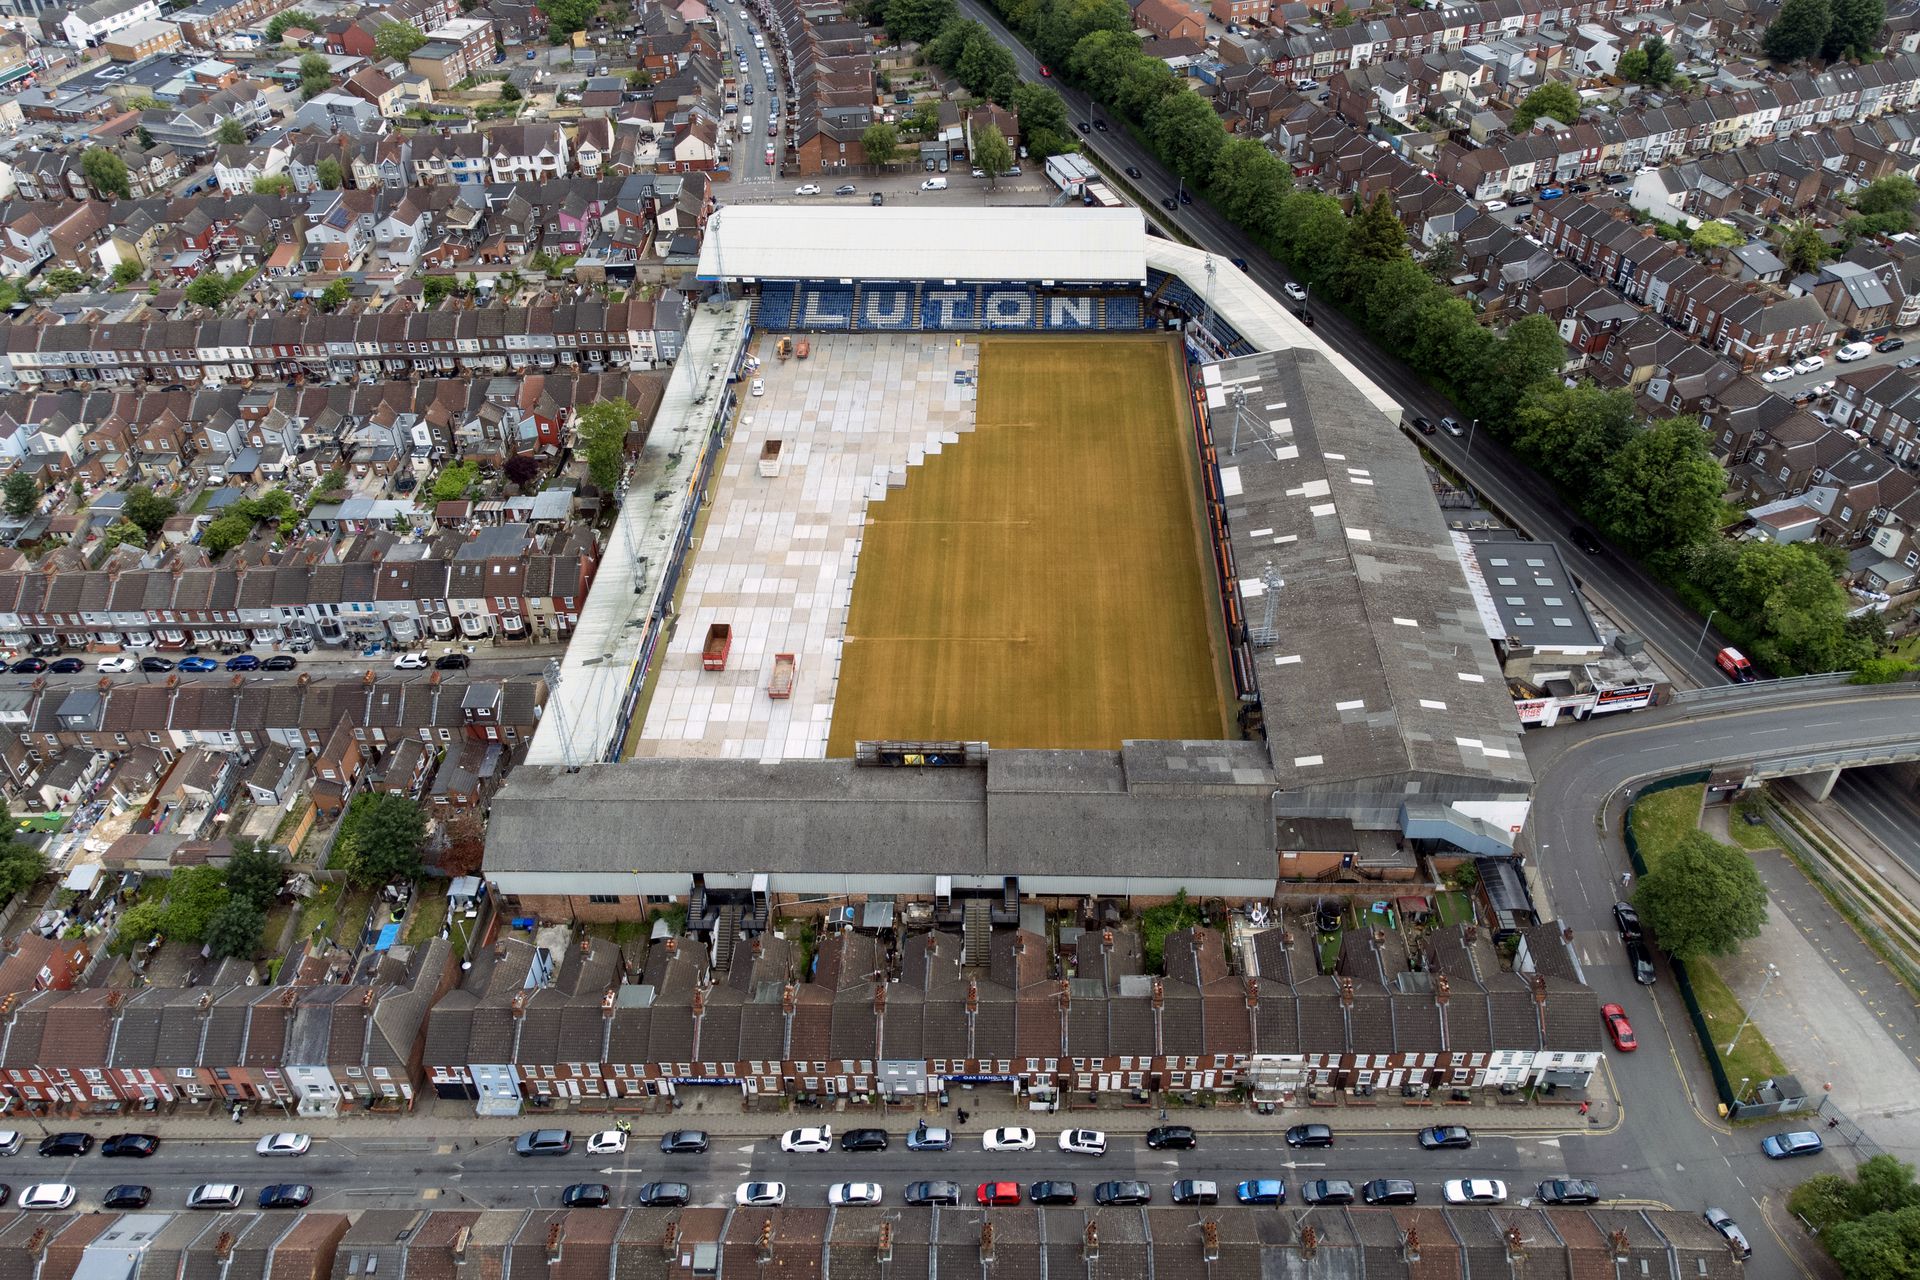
x=749 y=163
x=321 y=665
x=1879 y=803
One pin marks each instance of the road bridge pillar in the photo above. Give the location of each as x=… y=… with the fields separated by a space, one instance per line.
x=1819 y=785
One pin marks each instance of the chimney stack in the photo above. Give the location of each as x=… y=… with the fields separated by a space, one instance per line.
x=765 y=1250
x=1516 y=1245
x=1346 y=992
x=1309 y=1241
x=883 y=1251
x=1210 y=1241
x=1252 y=987
x=670 y=1239
x=879 y=998
x=1410 y=1246
x=1066 y=995
x=973 y=996
x=1091 y=1248
x=673 y=946
x=1159 y=995
x=986 y=1244
x=1106 y=942
x=1622 y=1250
x=223 y=1247
x=789 y=999
x=1442 y=989
x=458 y=1247
x=555 y=1234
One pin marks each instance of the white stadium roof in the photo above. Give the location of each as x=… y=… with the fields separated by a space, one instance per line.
x=836 y=242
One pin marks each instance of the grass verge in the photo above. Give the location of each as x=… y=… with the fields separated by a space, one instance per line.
x=1753 y=1058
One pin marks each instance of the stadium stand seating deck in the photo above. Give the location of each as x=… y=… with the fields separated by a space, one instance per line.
x=901 y=306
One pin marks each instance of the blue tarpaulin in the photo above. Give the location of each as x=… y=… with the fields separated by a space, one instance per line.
x=389 y=935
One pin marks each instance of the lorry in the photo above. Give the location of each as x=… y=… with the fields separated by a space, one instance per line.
x=780 y=684
x=713 y=654
x=1734 y=665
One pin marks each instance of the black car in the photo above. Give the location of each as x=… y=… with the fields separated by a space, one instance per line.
x=1424 y=426
x=933 y=1193
x=66 y=1144
x=663 y=1195
x=1101 y=125
x=6 y=1193
x=1627 y=921
x=1123 y=1192
x=1132 y=172
x=1196 y=1191
x=1615 y=179
x=1326 y=1191
x=1081 y=125
x=1583 y=538
x=1390 y=1191
x=684 y=1142
x=1569 y=1191
x=1580 y=188
x=1186 y=197
x=130 y=1144
x=587 y=1195
x=1446 y=1137
x=156 y=664
x=1642 y=962
x=286 y=1195
x=1310 y=1135
x=1053 y=1193
x=1172 y=1137
x=1304 y=316
x=864 y=1140
x=126 y=1196
x=452 y=662
x=1168 y=202
x=67 y=666
x=29 y=666
x=280 y=662
x=1519 y=202
x=1890 y=344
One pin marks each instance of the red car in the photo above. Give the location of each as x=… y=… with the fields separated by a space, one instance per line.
x=1045 y=70
x=989 y=1194
x=1619 y=1028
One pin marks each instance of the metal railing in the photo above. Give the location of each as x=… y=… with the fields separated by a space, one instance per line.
x=1715 y=695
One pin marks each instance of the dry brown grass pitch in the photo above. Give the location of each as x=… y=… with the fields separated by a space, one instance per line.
x=1043 y=583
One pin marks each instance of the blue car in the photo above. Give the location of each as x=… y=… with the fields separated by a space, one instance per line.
x=1552 y=193
x=198 y=664
x=1782 y=1146
x=243 y=662
x=1261 y=1191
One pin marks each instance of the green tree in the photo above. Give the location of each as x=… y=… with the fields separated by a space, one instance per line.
x=1662 y=489
x=881 y=142
x=393 y=41
x=1715 y=234
x=125 y=273
x=567 y=16
x=193 y=896
x=1250 y=184
x=1064 y=23
x=121 y=532
x=455 y=482
x=510 y=92
x=1823 y=1201
x=1650 y=62
x=209 y=289
x=601 y=429
x=22 y=494
x=1186 y=132
x=1802 y=247
x=235 y=930
x=1504 y=367
x=1855 y=32
x=1702 y=897
x=987 y=68
x=918 y=21
x=316 y=74
x=273 y=184
x=286 y=18
x=1799 y=30
x=64 y=280
x=1144 y=84
x=331 y=176
x=335 y=295
x=388 y=831
x=992 y=152
x=1633 y=66
x=231 y=133
x=254 y=875
x=139 y=925
x=1885 y=1246
x=148 y=509
x=1571 y=433
x=1883 y=1184
x=1312 y=234
x=1040 y=108
x=21 y=865
x=434 y=289
x=105 y=172
x=1555 y=98
x=1100 y=61
x=224 y=533
x=1374 y=233
x=1886 y=204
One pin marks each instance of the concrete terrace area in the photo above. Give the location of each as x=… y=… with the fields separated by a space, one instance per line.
x=776 y=558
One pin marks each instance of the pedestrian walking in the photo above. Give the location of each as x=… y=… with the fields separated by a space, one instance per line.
x=1585 y=1107
x=1833 y=1124
x=963 y=1115
x=1626 y=878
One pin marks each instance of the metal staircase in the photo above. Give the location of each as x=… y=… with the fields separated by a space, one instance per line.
x=976 y=930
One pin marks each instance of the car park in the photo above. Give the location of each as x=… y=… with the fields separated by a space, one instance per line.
x=1845 y=355
x=46 y=1195
x=586 y=1195
x=118 y=664
x=1261 y=1191
x=1195 y=1191
x=1618 y=1028
x=1053 y=1192
x=1009 y=1139
x=125 y=1196
x=544 y=1142
x=683 y=1142
x=1785 y=1146
x=663 y=1195
x=66 y=1144
x=280 y=662
x=607 y=1142
x=1390 y=1191
x=138 y=1145
x=411 y=662
x=1083 y=1142
x=67 y=666
x=853 y=1193
x=864 y=1140
x=990 y=1195
x=215 y=1195
x=1123 y=1192
x=1326 y=1191
x=1310 y=1135
x=760 y=1195
x=1172 y=1137
x=156 y=665
x=927 y=1138
x=286 y=1195
x=811 y=1139
x=1779 y=373
x=1568 y=1191
x=1640 y=960
x=1720 y=1220
x=243 y=662
x=1446 y=1137
x=932 y=1192
x=1814 y=364
x=1475 y=1191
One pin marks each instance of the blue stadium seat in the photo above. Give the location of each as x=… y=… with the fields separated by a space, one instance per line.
x=886 y=307
x=1125 y=313
x=1006 y=306
x=776 y=307
x=1063 y=311
x=950 y=307
x=824 y=306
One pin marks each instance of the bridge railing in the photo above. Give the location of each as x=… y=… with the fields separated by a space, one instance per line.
x=1715 y=695
x=1880 y=751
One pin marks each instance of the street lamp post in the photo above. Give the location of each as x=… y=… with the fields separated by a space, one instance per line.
x=1773 y=971
x=1701 y=642
x=1471 y=428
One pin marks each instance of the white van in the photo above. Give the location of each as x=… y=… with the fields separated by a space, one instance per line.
x=746 y=122
x=934 y=184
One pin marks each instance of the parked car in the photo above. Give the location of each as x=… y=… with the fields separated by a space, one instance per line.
x=1521 y=201
x=140 y=1145
x=29 y=666
x=1310 y=1135
x=1475 y=1191
x=1779 y=373
x=663 y=1195
x=1261 y=1191
x=586 y=1195
x=853 y=1193
x=1326 y=1191
x=66 y=1144
x=845 y=189
x=544 y=1142
x=1845 y=355
x=292 y=1144
x=813 y=1138
x=1814 y=364
x=124 y=1196
x=280 y=662
x=1446 y=1137
x=927 y=1138
x=990 y=1195
x=1619 y=1028
x=807 y=189
x=1640 y=960
x=411 y=662
x=1195 y=1191
x=1053 y=1192
x=286 y=1195
x=1784 y=1146
x=1627 y=921
x=243 y=662
x=938 y=1192
x=760 y=1195
x=1720 y=1220
x=1172 y=1137
x=156 y=664
x=198 y=664
x=1390 y=1191
x=452 y=662
x=46 y=1195
x=215 y=1195
x=67 y=666
x=607 y=1142
x=1008 y=1139
x=1083 y=1142
x=1568 y=1191
x=1889 y=344
x=864 y=1140
x=1551 y=193
x=684 y=1142
x=1123 y=1192
x=118 y=664
x=1494 y=206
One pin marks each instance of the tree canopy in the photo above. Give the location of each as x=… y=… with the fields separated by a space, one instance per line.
x=881 y=142
x=1856 y=27
x=148 y=509
x=992 y=153
x=1715 y=234
x=1799 y=30
x=602 y=431
x=1554 y=98
x=1702 y=897
x=396 y=40
x=231 y=133
x=22 y=494
x=105 y=172
x=382 y=840
x=1869 y=1224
